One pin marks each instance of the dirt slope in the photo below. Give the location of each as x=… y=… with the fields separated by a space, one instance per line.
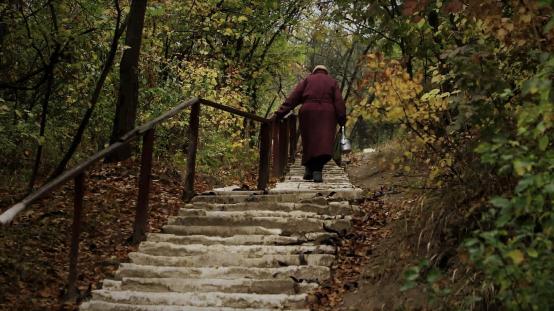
x=373 y=258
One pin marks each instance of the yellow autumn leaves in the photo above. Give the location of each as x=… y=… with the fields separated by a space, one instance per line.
x=397 y=97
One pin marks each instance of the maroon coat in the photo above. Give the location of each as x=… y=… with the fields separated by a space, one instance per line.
x=322 y=108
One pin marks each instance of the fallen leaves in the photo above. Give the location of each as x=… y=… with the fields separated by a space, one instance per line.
x=352 y=254
x=34 y=250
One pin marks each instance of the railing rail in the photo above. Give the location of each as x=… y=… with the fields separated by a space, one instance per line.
x=277 y=141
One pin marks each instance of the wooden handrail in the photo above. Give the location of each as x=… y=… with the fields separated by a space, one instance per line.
x=10 y=214
x=234 y=111
x=282 y=145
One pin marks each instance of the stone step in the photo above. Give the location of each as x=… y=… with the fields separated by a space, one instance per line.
x=314 y=186
x=108 y=306
x=239 y=285
x=238 y=250
x=170 y=249
x=219 y=230
x=328 y=178
x=331 y=193
x=213 y=299
x=324 y=187
x=300 y=172
x=320 y=207
x=296 y=171
x=314 y=238
x=265 y=219
x=111 y=284
x=222 y=260
x=194 y=212
x=233 y=240
x=310 y=273
x=328 y=168
x=287 y=225
x=279 y=196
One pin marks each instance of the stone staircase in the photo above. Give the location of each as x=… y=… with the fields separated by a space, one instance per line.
x=237 y=250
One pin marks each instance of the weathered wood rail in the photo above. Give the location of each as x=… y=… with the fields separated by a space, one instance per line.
x=277 y=144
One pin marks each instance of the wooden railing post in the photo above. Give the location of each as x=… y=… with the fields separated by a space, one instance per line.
x=191 y=153
x=72 y=291
x=283 y=146
x=293 y=142
x=275 y=148
x=265 y=145
x=141 y=215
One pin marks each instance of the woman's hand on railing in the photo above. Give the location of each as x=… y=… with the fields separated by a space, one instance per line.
x=280 y=117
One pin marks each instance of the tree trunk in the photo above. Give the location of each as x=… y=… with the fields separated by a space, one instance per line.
x=126 y=110
x=43 y=116
x=355 y=72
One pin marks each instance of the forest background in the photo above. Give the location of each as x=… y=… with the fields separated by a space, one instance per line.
x=466 y=86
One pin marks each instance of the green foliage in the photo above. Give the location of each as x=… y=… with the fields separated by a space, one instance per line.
x=429 y=277
x=473 y=84
x=233 y=52
x=516 y=252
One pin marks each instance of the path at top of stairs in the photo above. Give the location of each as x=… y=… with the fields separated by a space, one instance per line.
x=237 y=250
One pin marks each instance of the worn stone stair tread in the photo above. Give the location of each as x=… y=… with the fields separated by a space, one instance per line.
x=312 y=273
x=318 y=189
x=209 y=260
x=110 y=306
x=324 y=186
x=212 y=299
x=171 y=249
x=256 y=213
x=311 y=238
x=111 y=284
x=288 y=225
x=221 y=231
x=238 y=250
x=232 y=240
x=292 y=195
x=205 y=285
x=321 y=208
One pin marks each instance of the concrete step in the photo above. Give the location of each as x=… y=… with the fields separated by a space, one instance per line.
x=287 y=225
x=331 y=193
x=213 y=299
x=256 y=213
x=310 y=273
x=170 y=249
x=328 y=178
x=220 y=231
x=238 y=250
x=314 y=238
x=108 y=306
x=233 y=240
x=111 y=284
x=327 y=168
x=300 y=172
x=280 y=196
x=293 y=171
x=239 y=285
x=212 y=260
x=320 y=207
x=310 y=186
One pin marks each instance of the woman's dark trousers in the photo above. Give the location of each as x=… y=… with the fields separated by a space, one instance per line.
x=314 y=167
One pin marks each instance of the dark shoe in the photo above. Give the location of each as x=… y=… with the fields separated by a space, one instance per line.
x=318 y=176
x=308 y=174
